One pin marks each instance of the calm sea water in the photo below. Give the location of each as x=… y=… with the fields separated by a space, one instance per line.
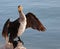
x=48 y=12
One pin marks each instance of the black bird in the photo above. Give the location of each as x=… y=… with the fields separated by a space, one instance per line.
x=16 y=28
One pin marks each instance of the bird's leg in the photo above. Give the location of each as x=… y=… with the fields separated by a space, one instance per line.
x=20 y=40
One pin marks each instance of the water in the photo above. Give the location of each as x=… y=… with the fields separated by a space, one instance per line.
x=48 y=12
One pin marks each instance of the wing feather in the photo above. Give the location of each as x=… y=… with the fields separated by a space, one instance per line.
x=5 y=28
x=9 y=27
x=33 y=22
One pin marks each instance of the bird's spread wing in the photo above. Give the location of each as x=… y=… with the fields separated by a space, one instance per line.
x=13 y=28
x=5 y=28
x=34 y=23
x=10 y=27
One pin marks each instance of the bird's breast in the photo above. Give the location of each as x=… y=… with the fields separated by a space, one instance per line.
x=22 y=27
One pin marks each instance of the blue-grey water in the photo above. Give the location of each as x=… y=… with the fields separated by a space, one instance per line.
x=48 y=12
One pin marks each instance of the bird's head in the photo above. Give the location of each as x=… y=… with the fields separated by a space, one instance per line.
x=20 y=8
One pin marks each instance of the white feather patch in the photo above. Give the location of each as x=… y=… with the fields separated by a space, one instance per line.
x=22 y=24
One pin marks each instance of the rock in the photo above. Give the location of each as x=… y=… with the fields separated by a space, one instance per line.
x=20 y=46
x=10 y=46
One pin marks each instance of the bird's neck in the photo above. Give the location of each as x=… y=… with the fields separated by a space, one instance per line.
x=22 y=15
